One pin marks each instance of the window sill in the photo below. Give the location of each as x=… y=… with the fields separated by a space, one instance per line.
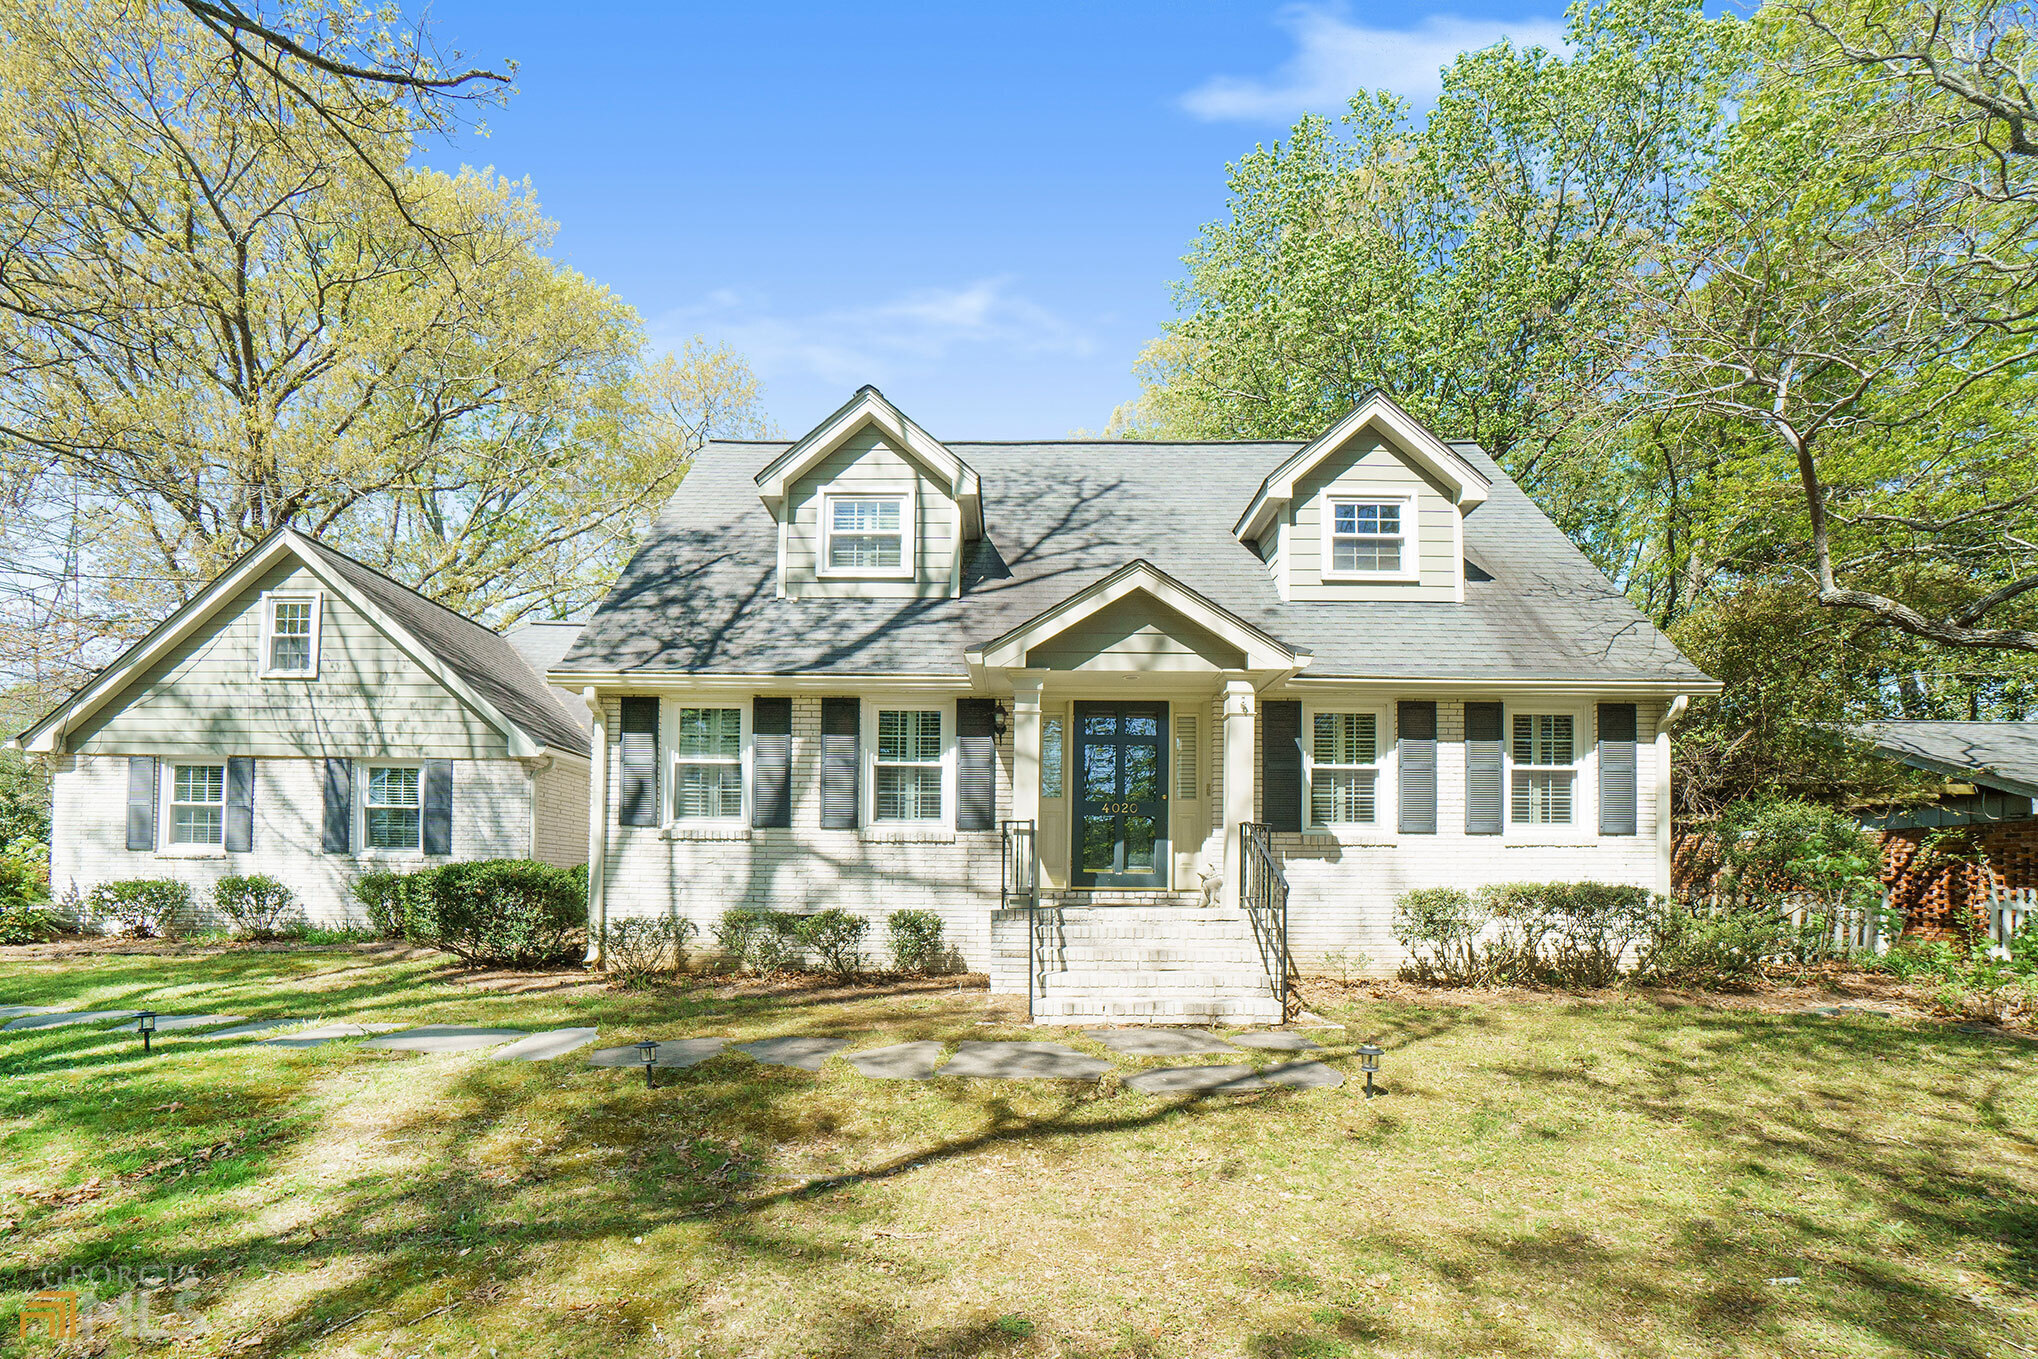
x=708 y=830
x=1349 y=578
x=906 y=834
x=843 y=573
x=289 y=674
x=392 y=854
x=1324 y=835
x=1550 y=841
x=192 y=852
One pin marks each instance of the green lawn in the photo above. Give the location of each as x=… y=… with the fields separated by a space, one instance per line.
x=1546 y=1177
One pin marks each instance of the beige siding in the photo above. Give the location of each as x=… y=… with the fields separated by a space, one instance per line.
x=559 y=794
x=1136 y=633
x=207 y=696
x=1369 y=466
x=866 y=462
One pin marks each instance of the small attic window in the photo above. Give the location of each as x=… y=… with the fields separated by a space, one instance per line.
x=865 y=535
x=1366 y=539
x=290 y=636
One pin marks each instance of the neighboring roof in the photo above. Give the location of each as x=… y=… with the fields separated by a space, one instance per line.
x=476 y=660
x=543 y=645
x=700 y=594
x=2000 y=754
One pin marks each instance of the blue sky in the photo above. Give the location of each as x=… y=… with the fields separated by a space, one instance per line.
x=980 y=209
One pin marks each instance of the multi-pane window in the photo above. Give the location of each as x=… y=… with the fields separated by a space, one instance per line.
x=198 y=805
x=1050 y=756
x=394 y=808
x=866 y=533
x=1545 y=756
x=1344 y=767
x=1365 y=537
x=908 y=786
x=292 y=640
x=709 y=785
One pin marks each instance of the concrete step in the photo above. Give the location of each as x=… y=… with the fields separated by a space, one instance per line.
x=1187 y=979
x=1157 y=1010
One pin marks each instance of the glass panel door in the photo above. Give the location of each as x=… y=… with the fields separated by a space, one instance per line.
x=1121 y=795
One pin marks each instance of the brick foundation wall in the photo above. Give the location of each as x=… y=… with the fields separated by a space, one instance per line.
x=1944 y=900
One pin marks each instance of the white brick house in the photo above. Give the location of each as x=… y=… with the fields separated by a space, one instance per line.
x=1089 y=700
x=307 y=717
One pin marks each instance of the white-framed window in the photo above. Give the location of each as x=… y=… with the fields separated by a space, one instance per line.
x=1051 y=756
x=392 y=807
x=910 y=766
x=290 y=636
x=707 y=779
x=1342 y=757
x=1366 y=538
x=866 y=534
x=1544 y=748
x=196 y=805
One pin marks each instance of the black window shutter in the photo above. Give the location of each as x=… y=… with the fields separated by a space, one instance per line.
x=771 y=757
x=1415 y=724
x=1616 y=769
x=1281 y=764
x=338 y=835
x=240 y=804
x=438 y=828
x=1484 y=746
x=141 y=802
x=637 y=793
x=841 y=761
x=976 y=763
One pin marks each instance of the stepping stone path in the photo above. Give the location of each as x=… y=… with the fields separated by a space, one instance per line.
x=66 y=1017
x=805 y=1053
x=445 y=1038
x=10 y=1011
x=174 y=1023
x=1831 y=1010
x=1234 y=1080
x=899 y=1062
x=1275 y=1041
x=326 y=1033
x=1160 y=1042
x=672 y=1052
x=1023 y=1062
x=543 y=1047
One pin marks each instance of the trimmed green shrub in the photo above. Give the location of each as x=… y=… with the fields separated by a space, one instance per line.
x=21 y=923
x=637 y=950
x=1439 y=926
x=755 y=938
x=254 y=903
x=835 y=937
x=144 y=907
x=505 y=911
x=24 y=873
x=915 y=940
x=1563 y=933
x=398 y=905
x=1717 y=947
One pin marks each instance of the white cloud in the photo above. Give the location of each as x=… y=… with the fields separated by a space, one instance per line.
x=866 y=343
x=1335 y=58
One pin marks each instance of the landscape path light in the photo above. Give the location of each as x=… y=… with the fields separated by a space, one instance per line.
x=146 y=1022
x=1369 y=1062
x=647 y=1053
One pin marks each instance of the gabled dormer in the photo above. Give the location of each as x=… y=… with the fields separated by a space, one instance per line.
x=1373 y=508
x=870 y=505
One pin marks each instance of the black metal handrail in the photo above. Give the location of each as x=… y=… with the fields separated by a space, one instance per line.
x=1019 y=884
x=1263 y=895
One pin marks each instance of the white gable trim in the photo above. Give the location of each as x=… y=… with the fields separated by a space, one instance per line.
x=870 y=408
x=47 y=735
x=1262 y=652
x=1467 y=485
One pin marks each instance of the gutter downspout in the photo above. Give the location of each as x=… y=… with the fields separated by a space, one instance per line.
x=1664 y=847
x=597 y=827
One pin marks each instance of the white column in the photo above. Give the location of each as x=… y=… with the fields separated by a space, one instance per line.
x=1663 y=798
x=597 y=825
x=1026 y=759
x=1238 y=780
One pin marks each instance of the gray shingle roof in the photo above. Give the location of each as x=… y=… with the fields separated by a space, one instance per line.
x=699 y=596
x=484 y=660
x=2000 y=754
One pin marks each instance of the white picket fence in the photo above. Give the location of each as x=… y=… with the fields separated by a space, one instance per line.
x=2008 y=908
x=1858 y=930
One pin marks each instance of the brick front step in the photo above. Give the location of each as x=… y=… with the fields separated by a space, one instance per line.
x=1158 y=964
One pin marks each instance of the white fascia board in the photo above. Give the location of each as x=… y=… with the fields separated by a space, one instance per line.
x=1262 y=652
x=44 y=736
x=1468 y=485
x=636 y=682
x=1476 y=688
x=869 y=407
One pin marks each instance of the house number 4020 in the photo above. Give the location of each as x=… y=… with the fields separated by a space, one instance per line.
x=1118 y=808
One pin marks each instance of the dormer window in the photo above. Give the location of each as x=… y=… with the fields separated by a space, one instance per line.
x=1365 y=539
x=290 y=636
x=866 y=535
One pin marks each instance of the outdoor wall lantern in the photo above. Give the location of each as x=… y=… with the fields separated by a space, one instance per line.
x=647 y=1053
x=1369 y=1062
x=998 y=723
x=146 y=1022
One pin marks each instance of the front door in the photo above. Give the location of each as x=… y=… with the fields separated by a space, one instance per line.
x=1121 y=830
